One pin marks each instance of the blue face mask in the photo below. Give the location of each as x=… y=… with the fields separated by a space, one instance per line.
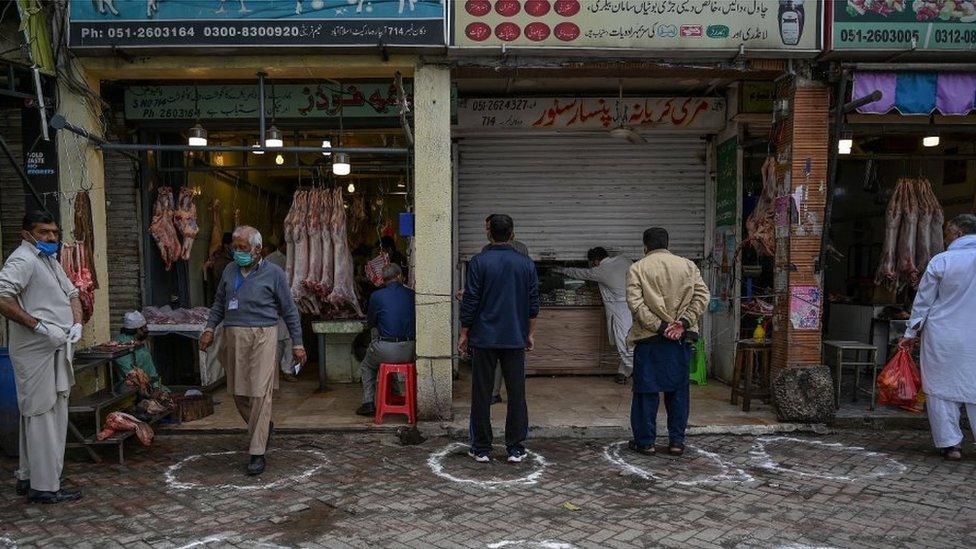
x=47 y=248
x=243 y=259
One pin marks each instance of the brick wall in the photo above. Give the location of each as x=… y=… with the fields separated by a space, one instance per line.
x=802 y=152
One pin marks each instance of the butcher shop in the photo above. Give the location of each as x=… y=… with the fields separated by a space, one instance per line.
x=906 y=163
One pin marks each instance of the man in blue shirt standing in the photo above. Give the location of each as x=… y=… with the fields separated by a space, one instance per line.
x=498 y=311
x=391 y=313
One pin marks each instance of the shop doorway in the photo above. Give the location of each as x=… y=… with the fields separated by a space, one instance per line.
x=233 y=188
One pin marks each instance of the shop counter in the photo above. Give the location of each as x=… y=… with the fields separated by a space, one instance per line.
x=571 y=340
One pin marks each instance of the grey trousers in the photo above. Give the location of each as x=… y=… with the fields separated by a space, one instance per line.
x=378 y=353
x=42 y=442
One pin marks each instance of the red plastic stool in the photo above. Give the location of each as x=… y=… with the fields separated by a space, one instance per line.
x=389 y=403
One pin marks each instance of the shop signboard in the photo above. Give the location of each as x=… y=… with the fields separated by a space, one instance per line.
x=904 y=24
x=576 y=113
x=757 y=97
x=242 y=101
x=805 y=304
x=703 y=25
x=255 y=23
x=726 y=182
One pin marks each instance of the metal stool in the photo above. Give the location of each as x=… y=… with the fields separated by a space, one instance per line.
x=750 y=378
x=836 y=350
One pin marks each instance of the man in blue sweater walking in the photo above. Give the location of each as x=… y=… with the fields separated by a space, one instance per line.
x=498 y=312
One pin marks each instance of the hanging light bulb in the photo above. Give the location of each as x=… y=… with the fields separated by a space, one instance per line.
x=257 y=148
x=340 y=165
x=279 y=160
x=326 y=144
x=197 y=136
x=846 y=142
x=351 y=188
x=272 y=138
x=931 y=140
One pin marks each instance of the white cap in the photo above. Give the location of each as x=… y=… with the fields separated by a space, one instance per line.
x=133 y=320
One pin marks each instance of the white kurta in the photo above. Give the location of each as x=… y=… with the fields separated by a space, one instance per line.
x=43 y=290
x=944 y=315
x=611 y=275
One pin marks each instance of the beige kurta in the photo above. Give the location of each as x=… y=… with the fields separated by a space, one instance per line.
x=43 y=290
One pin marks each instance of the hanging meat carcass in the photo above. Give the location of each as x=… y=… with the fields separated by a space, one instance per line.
x=913 y=234
x=289 y=236
x=761 y=224
x=215 y=248
x=76 y=267
x=83 y=231
x=162 y=228
x=316 y=226
x=327 y=273
x=185 y=219
x=299 y=248
x=344 y=292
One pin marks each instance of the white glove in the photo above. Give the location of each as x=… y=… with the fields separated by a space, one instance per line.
x=57 y=336
x=74 y=334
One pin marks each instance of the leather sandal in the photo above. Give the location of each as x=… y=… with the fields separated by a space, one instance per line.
x=648 y=451
x=676 y=449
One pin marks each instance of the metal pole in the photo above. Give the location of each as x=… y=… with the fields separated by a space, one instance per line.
x=876 y=95
x=40 y=102
x=902 y=67
x=238 y=148
x=58 y=122
x=261 y=114
x=832 y=168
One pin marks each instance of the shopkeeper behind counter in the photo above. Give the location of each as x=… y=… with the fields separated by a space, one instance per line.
x=135 y=329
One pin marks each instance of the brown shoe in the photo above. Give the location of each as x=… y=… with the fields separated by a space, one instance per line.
x=646 y=450
x=676 y=449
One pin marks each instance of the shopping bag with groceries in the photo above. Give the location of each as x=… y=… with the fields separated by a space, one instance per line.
x=900 y=382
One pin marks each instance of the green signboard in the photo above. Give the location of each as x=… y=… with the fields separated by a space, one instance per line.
x=904 y=24
x=726 y=183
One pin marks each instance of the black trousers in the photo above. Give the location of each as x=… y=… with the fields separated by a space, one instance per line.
x=483 y=363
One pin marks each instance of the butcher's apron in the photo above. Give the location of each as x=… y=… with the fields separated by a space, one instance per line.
x=661 y=365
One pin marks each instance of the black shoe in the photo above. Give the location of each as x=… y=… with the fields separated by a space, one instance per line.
x=290 y=378
x=646 y=450
x=256 y=466
x=497 y=399
x=23 y=486
x=620 y=379
x=368 y=409
x=61 y=496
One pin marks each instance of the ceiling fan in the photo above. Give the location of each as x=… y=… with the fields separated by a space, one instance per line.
x=623 y=131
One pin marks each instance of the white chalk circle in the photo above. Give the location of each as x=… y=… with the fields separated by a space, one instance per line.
x=886 y=465
x=436 y=464
x=729 y=473
x=544 y=544
x=173 y=471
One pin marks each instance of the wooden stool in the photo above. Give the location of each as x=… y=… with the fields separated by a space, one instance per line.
x=750 y=378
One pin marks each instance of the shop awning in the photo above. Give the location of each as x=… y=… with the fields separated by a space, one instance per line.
x=918 y=93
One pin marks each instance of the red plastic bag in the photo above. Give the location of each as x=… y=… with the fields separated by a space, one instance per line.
x=900 y=381
x=374 y=269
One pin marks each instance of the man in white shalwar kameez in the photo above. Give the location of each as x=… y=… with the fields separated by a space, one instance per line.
x=611 y=274
x=944 y=314
x=45 y=314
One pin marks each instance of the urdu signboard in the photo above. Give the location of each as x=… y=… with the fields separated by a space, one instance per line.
x=250 y=23
x=921 y=25
x=703 y=25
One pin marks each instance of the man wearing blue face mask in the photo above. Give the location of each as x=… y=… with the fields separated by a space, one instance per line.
x=251 y=295
x=45 y=314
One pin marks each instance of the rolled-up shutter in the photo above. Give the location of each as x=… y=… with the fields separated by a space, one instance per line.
x=568 y=193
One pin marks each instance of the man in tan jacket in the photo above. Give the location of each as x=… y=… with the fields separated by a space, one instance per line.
x=667 y=296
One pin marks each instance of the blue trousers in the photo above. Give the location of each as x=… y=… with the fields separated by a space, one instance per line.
x=643 y=416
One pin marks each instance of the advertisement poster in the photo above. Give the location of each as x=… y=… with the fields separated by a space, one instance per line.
x=726 y=182
x=236 y=23
x=710 y=25
x=598 y=113
x=805 y=303
x=242 y=100
x=902 y=24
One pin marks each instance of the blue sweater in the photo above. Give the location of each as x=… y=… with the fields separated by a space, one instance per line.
x=262 y=296
x=392 y=312
x=501 y=294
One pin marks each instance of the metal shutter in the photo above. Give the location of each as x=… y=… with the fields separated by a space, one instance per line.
x=123 y=231
x=568 y=193
x=12 y=191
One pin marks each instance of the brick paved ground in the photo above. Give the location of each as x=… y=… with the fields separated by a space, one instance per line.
x=365 y=490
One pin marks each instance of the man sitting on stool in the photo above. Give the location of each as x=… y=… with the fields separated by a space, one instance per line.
x=391 y=315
